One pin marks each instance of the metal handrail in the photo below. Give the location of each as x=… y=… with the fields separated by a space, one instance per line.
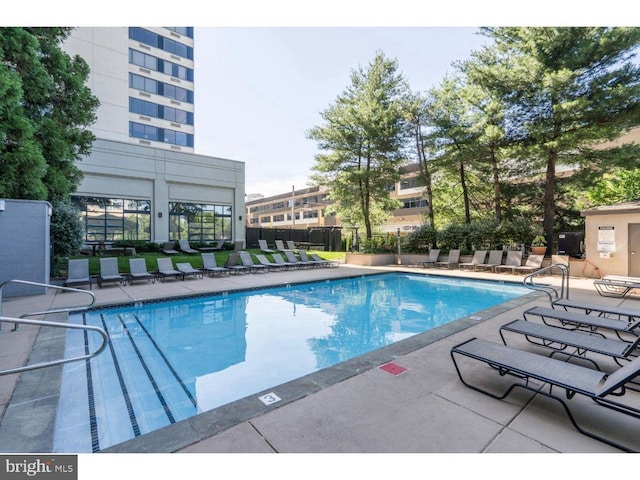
x=549 y=290
x=46 y=285
x=45 y=323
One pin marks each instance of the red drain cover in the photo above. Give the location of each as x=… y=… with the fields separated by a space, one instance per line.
x=392 y=368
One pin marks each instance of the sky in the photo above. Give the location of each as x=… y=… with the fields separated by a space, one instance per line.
x=260 y=90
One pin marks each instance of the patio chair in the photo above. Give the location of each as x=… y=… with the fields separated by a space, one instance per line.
x=434 y=253
x=78 y=272
x=452 y=260
x=571 y=343
x=494 y=260
x=616 y=286
x=232 y=264
x=247 y=261
x=169 y=248
x=138 y=270
x=165 y=269
x=478 y=258
x=514 y=260
x=291 y=258
x=186 y=247
x=272 y=266
x=328 y=263
x=187 y=269
x=291 y=245
x=306 y=259
x=585 y=322
x=264 y=246
x=533 y=264
x=109 y=271
x=561 y=381
x=280 y=246
x=210 y=265
x=630 y=314
x=287 y=265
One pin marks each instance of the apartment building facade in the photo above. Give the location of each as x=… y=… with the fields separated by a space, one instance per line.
x=144 y=179
x=306 y=208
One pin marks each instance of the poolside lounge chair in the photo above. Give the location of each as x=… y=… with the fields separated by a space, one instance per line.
x=306 y=259
x=272 y=266
x=572 y=343
x=478 y=258
x=78 y=272
x=533 y=264
x=514 y=260
x=280 y=246
x=109 y=271
x=287 y=265
x=494 y=260
x=187 y=269
x=232 y=264
x=434 y=253
x=291 y=245
x=328 y=263
x=452 y=260
x=169 y=248
x=165 y=269
x=567 y=379
x=219 y=246
x=616 y=286
x=185 y=247
x=247 y=261
x=264 y=246
x=138 y=269
x=630 y=314
x=210 y=265
x=584 y=321
x=291 y=258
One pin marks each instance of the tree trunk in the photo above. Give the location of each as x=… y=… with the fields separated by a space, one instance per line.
x=465 y=195
x=496 y=186
x=549 y=198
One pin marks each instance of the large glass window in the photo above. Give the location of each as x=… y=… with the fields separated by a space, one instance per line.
x=158 y=41
x=109 y=219
x=199 y=222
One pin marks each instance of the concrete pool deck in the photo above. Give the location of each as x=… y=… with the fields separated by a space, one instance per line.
x=353 y=407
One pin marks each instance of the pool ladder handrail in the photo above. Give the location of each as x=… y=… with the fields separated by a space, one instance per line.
x=46 y=323
x=552 y=292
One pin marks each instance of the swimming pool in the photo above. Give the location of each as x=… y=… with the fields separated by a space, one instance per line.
x=170 y=360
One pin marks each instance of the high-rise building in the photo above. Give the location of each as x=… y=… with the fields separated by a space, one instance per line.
x=143 y=180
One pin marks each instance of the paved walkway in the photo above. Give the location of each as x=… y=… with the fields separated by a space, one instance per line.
x=355 y=406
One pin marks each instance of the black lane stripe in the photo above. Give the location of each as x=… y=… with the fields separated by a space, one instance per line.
x=123 y=386
x=163 y=402
x=93 y=423
x=167 y=363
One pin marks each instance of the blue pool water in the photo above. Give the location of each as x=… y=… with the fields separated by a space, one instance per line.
x=167 y=361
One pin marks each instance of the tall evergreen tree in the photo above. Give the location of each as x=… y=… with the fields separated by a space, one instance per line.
x=364 y=135
x=45 y=109
x=566 y=91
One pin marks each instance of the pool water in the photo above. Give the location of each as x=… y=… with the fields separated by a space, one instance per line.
x=167 y=361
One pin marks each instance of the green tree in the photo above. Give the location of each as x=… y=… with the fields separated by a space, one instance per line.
x=364 y=135
x=45 y=109
x=566 y=91
x=620 y=185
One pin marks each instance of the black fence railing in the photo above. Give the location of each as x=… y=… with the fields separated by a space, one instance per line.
x=316 y=238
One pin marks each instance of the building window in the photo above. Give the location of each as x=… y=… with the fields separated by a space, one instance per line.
x=109 y=219
x=147 y=132
x=199 y=222
x=415 y=202
x=143 y=35
x=265 y=219
x=412 y=182
x=154 y=110
x=278 y=218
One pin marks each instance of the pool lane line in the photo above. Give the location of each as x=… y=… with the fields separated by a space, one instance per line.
x=123 y=386
x=93 y=422
x=150 y=376
x=167 y=362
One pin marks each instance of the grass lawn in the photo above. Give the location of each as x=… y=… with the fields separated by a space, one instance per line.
x=194 y=259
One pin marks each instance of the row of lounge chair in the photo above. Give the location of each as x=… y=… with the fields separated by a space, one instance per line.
x=279 y=246
x=579 y=333
x=480 y=262
x=238 y=262
x=184 y=246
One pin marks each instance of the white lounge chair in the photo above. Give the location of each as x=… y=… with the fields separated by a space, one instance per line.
x=533 y=264
x=434 y=254
x=514 y=260
x=452 y=259
x=495 y=259
x=264 y=246
x=187 y=269
x=478 y=258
